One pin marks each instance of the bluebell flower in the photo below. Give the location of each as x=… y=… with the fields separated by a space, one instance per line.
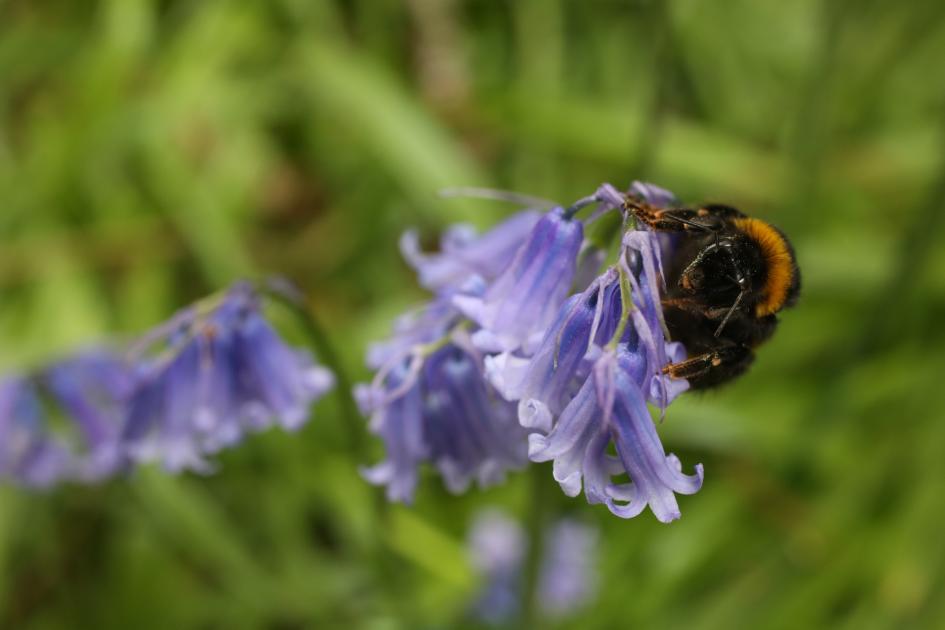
x=395 y=406
x=578 y=372
x=653 y=194
x=463 y=253
x=92 y=390
x=568 y=576
x=497 y=544
x=545 y=382
x=30 y=455
x=223 y=371
x=522 y=302
x=63 y=423
x=610 y=408
x=426 y=324
x=436 y=406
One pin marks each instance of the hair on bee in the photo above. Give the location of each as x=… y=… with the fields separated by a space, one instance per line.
x=728 y=276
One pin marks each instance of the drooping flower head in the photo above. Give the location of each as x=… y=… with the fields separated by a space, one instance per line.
x=92 y=389
x=521 y=303
x=567 y=567
x=29 y=454
x=210 y=375
x=611 y=408
x=435 y=406
x=569 y=571
x=463 y=253
x=63 y=423
x=497 y=545
x=580 y=365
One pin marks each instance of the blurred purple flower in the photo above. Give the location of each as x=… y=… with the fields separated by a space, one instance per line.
x=437 y=407
x=224 y=371
x=29 y=454
x=395 y=406
x=426 y=324
x=92 y=389
x=568 y=573
x=653 y=194
x=545 y=382
x=496 y=545
x=523 y=300
x=463 y=253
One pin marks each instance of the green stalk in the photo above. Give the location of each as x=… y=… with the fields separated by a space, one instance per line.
x=325 y=351
x=626 y=305
x=536 y=525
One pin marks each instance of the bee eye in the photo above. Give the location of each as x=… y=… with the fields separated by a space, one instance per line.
x=697 y=277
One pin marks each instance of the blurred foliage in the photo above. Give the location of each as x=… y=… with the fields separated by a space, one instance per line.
x=153 y=150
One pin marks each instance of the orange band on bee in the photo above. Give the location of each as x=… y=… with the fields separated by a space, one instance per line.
x=780 y=266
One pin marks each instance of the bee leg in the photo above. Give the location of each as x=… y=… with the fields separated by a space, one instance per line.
x=696 y=307
x=673 y=219
x=687 y=305
x=712 y=368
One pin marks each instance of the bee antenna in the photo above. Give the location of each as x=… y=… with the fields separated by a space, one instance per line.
x=731 y=311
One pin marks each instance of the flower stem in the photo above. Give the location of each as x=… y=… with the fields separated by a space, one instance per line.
x=626 y=305
x=325 y=351
x=535 y=528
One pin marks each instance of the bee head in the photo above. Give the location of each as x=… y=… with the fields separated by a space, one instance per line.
x=722 y=270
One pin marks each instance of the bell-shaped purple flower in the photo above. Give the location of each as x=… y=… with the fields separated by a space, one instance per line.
x=395 y=406
x=463 y=253
x=92 y=390
x=545 y=382
x=424 y=325
x=439 y=408
x=472 y=433
x=225 y=371
x=569 y=571
x=522 y=302
x=611 y=407
x=651 y=193
x=29 y=454
x=497 y=545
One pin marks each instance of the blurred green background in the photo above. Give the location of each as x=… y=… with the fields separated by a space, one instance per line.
x=153 y=150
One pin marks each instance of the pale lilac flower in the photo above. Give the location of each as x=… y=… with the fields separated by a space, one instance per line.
x=569 y=571
x=611 y=407
x=522 y=302
x=29 y=454
x=224 y=371
x=545 y=382
x=463 y=253
x=64 y=423
x=653 y=194
x=439 y=408
x=423 y=325
x=395 y=406
x=568 y=575
x=92 y=390
x=497 y=545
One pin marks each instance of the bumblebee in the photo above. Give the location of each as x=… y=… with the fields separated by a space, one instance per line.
x=728 y=276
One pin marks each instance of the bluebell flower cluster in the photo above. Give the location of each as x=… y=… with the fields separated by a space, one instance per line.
x=534 y=344
x=194 y=385
x=567 y=567
x=63 y=423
